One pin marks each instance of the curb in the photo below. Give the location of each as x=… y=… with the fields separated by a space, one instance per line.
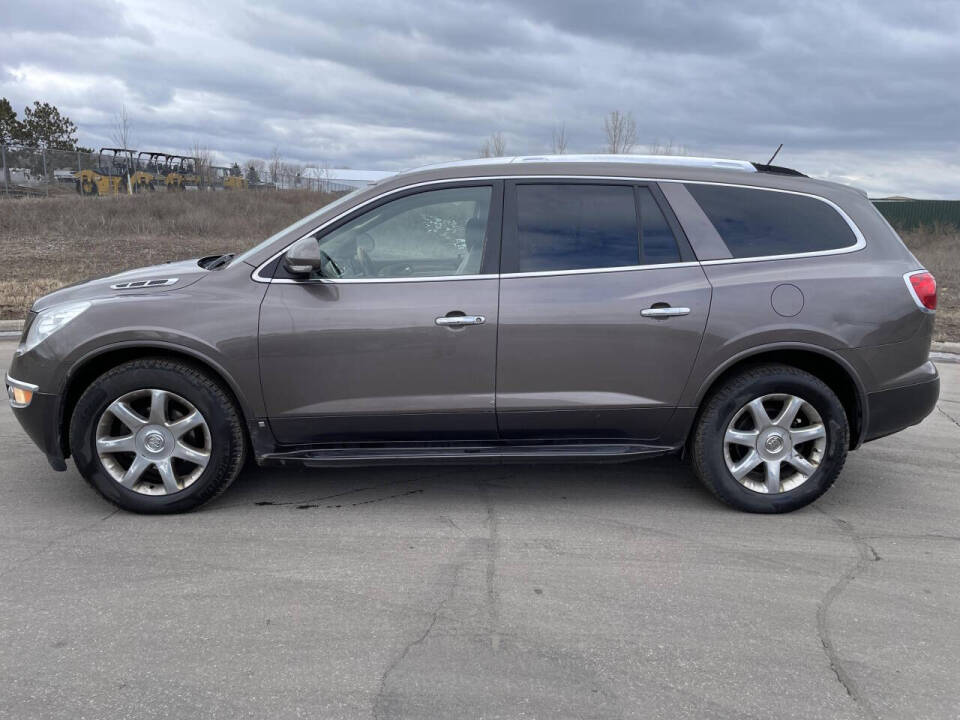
x=946 y=347
x=10 y=329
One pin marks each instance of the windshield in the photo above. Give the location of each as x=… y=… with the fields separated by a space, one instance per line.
x=298 y=224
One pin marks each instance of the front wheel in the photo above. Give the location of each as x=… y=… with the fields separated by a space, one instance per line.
x=770 y=439
x=157 y=436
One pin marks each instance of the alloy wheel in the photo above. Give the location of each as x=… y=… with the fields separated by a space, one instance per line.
x=153 y=442
x=774 y=443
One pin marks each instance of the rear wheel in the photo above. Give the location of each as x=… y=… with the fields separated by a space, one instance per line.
x=157 y=436
x=770 y=439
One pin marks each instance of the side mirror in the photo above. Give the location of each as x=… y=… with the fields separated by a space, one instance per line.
x=306 y=258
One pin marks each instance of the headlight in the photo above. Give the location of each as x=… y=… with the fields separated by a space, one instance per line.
x=51 y=320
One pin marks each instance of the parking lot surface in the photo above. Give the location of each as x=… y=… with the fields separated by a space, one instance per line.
x=610 y=591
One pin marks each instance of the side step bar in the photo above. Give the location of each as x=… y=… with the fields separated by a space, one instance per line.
x=495 y=453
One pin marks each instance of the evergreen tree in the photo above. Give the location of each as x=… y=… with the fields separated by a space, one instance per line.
x=44 y=126
x=11 y=129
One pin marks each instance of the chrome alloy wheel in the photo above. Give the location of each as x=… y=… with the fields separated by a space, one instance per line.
x=774 y=443
x=153 y=442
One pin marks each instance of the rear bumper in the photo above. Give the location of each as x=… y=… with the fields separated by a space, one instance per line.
x=898 y=408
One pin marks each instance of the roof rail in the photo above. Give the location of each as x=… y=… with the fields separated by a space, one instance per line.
x=675 y=160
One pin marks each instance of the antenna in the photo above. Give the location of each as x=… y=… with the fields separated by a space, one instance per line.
x=774 y=153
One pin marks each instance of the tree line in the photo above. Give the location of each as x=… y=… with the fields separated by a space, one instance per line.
x=620 y=134
x=42 y=125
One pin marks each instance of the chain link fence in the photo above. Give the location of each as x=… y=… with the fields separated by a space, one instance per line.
x=33 y=171
x=29 y=171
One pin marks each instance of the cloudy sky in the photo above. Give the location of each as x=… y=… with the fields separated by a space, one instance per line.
x=861 y=92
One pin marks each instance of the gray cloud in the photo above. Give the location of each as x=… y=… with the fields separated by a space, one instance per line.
x=863 y=92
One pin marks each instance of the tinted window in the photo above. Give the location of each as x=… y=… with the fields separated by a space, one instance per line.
x=754 y=223
x=658 y=245
x=439 y=232
x=574 y=227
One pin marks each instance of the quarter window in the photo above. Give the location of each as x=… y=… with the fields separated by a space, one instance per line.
x=575 y=227
x=756 y=223
x=658 y=245
x=429 y=234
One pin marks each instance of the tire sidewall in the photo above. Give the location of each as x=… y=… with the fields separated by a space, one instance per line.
x=727 y=404
x=113 y=385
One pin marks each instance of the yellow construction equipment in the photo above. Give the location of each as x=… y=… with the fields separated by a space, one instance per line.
x=181 y=173
x=228 y=178
x=112 y=176
x=148 y=173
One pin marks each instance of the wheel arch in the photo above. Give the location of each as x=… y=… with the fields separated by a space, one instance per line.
x=88 y=368
x=829 y=367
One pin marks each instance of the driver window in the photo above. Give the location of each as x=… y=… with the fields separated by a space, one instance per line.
x=433 y=233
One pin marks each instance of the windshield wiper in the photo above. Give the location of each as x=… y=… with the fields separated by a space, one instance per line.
x=216 y=262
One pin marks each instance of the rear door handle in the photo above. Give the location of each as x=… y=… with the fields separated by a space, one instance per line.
x=460 y=320
x=665 y=312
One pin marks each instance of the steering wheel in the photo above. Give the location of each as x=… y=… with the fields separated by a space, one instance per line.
x=366 y=264
x=333 y=264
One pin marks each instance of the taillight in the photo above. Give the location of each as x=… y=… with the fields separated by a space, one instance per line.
x=923 y=288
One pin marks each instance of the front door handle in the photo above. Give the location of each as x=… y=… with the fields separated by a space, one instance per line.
x=460 y=320
x=665 y=312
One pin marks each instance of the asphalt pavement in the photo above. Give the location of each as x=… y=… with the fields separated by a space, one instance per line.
x=610 y=591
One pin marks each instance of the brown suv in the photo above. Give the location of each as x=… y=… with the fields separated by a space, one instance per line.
x=526 y=309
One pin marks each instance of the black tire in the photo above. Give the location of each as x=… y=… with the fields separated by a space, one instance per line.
x=727 y=400
x=227 y=439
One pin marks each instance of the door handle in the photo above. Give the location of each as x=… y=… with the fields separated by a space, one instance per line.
x=460 y=320
x=665 y=312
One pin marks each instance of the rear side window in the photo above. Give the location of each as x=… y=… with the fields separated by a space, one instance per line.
x=575 y=227
x=756 y=223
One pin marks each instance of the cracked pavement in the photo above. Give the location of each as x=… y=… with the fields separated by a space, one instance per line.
x=610 y=591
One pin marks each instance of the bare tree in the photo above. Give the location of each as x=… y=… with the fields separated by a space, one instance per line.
x=621 y=131
x=499 y=144
x=559 y=139
x=494 y=146
x=324 y=185
x=275 y=165
x=294 y=174
x=121 y=134
x=667 y=148
x=203 y=161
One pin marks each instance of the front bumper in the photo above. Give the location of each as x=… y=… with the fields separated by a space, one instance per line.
x=41 y=421
x=898 y=408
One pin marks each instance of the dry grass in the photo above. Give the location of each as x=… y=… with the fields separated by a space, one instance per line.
x=938 y=249
x=47 y=243
x=50 y=242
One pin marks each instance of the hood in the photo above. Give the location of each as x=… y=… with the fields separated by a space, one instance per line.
x=166 y=277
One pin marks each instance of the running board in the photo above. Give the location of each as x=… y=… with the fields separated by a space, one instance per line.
x=424 y=455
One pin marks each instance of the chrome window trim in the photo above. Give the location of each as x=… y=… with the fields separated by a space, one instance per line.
x=858 y=245
x=592 y=271
x=367 y=281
